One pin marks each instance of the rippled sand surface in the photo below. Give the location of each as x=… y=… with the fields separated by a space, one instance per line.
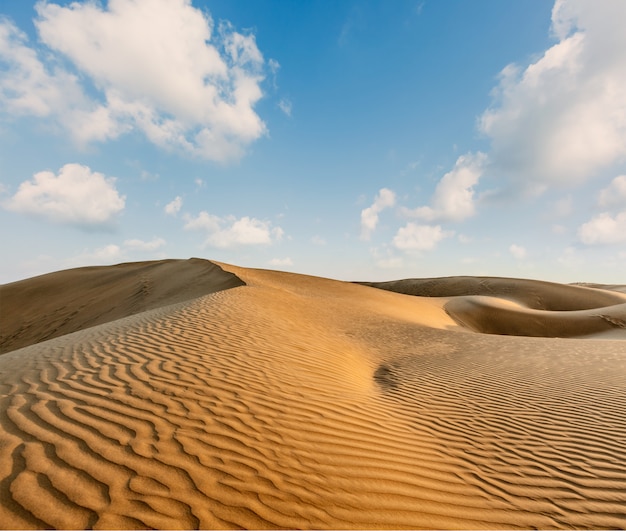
x=301 y=402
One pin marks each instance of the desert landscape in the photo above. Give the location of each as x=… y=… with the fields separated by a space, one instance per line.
x=192 y=394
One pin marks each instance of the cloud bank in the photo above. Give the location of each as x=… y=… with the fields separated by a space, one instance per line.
x=562 y=119
x=159 y=67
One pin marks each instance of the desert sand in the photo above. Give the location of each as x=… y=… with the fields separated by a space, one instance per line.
x=188 y=394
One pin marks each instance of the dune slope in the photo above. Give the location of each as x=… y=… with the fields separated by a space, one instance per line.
x=302 y=402
x=55 y=304
x=521 y=307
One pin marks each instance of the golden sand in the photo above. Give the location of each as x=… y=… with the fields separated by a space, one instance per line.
x=301 y=402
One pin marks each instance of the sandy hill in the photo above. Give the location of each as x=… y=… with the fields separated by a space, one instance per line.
x=301 y=402
x=520 y=307
x=56 y=304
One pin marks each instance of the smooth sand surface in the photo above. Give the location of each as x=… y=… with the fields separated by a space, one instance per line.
x=301 y=402
x=520 y=307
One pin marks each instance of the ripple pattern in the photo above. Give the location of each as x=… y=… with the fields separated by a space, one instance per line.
x=265 y=407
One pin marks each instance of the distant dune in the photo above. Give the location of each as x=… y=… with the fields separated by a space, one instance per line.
x=152 y=395
x=519 y=307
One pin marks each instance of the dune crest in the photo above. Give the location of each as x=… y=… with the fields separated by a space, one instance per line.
x=301 y=402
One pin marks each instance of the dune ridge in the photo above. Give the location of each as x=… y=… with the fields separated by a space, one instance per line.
x=63 y=302
x=521 y=307
x=300 y=402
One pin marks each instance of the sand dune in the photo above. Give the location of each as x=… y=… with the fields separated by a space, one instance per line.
x=520 y=307
x=301 y=402
x=534 y=294
x=56 y=304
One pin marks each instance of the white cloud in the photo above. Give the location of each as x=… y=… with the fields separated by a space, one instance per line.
x=562 y=119
x=76 y=196
x=173 y=207
x=203 y=221
x=26 y=86
x=286 y=106
x=614 y=194
x=517 y=251
x=453 y=199
x=369 y=216
x=140 y=245
x=413 y=237
x=158 y=66
x=604 y=229
x=232 y=232
x=281 y=262
x=318 y=240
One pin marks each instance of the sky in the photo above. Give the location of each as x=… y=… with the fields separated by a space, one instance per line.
x=355 y=140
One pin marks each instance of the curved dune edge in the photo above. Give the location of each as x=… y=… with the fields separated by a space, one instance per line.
x=301 y=402
x=52 y=305
x=521 y=307
x=535 y=294
x=490 y=315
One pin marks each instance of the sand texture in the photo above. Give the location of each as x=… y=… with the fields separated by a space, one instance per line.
x=56 y=304
x=301 y=402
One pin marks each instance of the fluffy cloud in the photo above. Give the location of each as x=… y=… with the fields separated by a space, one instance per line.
x=26 y=87
x=173 y=207
x=158 y=66
x=562 y=118
x=517 y=251
x=140 y=245
x=369 y=216
x=614 y=194
x=76 y=196
x=232 y=232
x=604 y=229
x=414 y=237
x=453 y=199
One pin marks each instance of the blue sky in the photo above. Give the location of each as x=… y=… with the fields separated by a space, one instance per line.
x=352 y=140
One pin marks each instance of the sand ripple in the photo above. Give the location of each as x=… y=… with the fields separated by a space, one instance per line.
x=306 y=403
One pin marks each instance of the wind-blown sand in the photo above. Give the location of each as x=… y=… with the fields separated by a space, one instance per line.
x=301 y=402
